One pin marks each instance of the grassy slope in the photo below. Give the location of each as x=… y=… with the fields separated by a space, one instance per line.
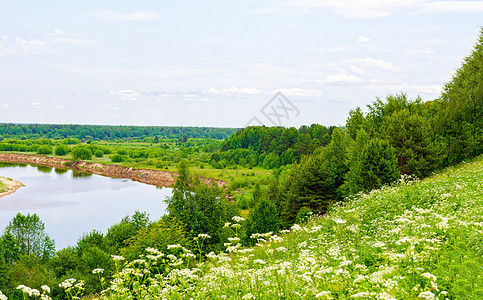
x=417 y=240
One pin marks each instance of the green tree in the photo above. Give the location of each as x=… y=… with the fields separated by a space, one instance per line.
x=158 y=235
x=355 y=122
x=263 y=218
x=98 y=153
x=202 y=207
x=459 y=119
x=61 y=149
x=29 y=232
x=81 y=152
x=310 y=184
x=44 y=149
x=376 y=165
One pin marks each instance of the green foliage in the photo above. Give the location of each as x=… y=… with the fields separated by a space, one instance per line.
x=61 y=150
x=118 y=158
x=310 y=184
x=73 y=133
x=376 y=166
x=459 y=110
x=200 y=206
x=29 y=270
x=264 y=218
x=98 y=153
x=44 y=149
x=81 y=152
x=167 y=231
x=29 y=233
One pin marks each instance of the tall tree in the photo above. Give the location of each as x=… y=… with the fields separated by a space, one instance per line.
x=29 y=232
x=460 y=119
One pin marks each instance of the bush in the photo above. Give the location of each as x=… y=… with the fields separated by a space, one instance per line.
x=81 y=152
x=44 y=149
x=99 y=153
x=118 y=158
x=62 y=150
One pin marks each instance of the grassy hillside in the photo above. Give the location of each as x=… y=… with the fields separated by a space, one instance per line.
x=415 y=240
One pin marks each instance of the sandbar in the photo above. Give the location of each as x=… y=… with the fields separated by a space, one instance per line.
x=11 y=185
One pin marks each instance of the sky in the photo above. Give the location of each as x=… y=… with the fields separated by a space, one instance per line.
x=224 y=63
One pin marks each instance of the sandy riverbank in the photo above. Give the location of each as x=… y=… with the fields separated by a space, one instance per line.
x=12 y=186
x=155 y=177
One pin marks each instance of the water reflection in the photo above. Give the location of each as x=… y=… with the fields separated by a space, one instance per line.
x=72 y=203
x=60 y=171
x=44 y=169
x=80 y=174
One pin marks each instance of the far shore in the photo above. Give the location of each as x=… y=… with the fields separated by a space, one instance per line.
x=12 y=186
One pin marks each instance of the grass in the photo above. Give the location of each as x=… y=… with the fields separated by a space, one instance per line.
x=3 y=187
x=414 y=240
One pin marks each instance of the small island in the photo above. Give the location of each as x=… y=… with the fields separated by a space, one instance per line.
x=9 y=186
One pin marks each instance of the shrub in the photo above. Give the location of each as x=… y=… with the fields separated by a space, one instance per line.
x=44 y=149
x=99 y=153
x=81 y=152
x=62 y=150
x=118 y=158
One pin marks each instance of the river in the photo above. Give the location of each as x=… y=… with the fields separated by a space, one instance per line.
x=71 y=203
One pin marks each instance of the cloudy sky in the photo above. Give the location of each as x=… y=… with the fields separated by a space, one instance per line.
x=221 y=62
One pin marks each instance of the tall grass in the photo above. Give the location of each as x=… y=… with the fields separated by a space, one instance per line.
x=413 y=240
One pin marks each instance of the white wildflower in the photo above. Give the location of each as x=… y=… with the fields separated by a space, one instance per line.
x=204 y=235
x=234 y=239
x=248 y=296
x=174 y=246
x=117 y=257
x=385 y=296
x=97 y=271
x=45 y=288
x=259 y=261
x=237 y=219
x=338 y=220
x=427 y=295
x=429 y=276
x=153 y=251
x=325 y=294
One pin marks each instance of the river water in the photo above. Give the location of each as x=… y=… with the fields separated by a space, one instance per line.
x=71 y=203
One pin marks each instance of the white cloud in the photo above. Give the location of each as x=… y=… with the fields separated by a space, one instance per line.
x=342 y=78
x=114 y=16
x=298 y=92
x=453 y=6
x=231 y=91
x=189 y=97
x=58 y=36
x=33 y=105
x=6 y=105
x=391 y=87
x=372 y=9
x=124 y=95
x=363 y=39
x=334 y=49
x=116 y=108
x=372 y=63
x=21 y=46
x=367 y=9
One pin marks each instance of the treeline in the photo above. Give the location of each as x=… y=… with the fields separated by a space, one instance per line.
x=107 y=132
x=395 y=137
x=270 y=147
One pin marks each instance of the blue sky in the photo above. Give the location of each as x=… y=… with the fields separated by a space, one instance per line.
x=220 y=62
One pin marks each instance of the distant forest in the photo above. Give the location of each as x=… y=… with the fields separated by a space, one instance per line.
x=108 y=132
